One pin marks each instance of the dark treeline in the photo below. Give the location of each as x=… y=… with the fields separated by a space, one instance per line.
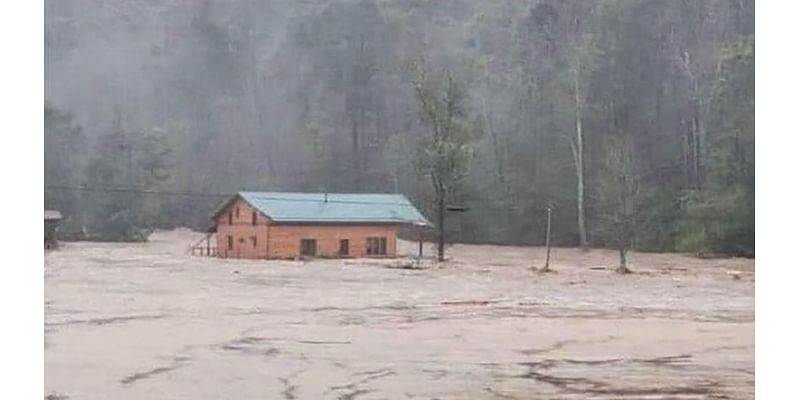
x=633 y=118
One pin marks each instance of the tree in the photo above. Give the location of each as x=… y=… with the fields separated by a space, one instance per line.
x=128 y=159
x=65 y=156
x=288 y=95
x=720 y=217
x=581 y=62
x=346 y=44
x=444 y=155
x=154 y=167
x=620 y=198
x=564 y=53
x=116 y=213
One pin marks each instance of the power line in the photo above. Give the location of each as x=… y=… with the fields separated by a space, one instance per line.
x=214 y=195
x=132 y=190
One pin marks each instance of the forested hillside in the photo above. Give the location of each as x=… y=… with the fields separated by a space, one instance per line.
x=634 y=119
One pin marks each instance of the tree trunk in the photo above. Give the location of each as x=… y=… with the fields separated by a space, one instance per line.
x=579 y=161
x=440 y=223
x=698 y=151
x=363 y=154
x=356 y=164
x=547 y=241
x=498 y=156
x=687 y=159
x=623 y=262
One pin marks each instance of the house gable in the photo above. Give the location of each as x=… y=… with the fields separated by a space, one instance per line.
x=237 y=211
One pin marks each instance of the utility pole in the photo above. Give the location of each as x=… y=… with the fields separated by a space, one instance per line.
x=546 y=267
x=440 y=222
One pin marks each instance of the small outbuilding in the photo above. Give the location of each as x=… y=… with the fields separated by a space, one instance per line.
x=51 y=220
x=293 y=225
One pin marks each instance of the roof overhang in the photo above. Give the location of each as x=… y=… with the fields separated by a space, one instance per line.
x=341 y=222
x=295 y=221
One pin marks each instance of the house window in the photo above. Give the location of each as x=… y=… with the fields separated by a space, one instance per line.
x=230 y=242
x=308 y=247
x=230 y=218
x=237 y=212
x=344 y=247
x=254 y=239
x=376 y=246
x=255 y=218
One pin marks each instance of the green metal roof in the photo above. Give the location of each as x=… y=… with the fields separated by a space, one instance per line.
x=335 y=207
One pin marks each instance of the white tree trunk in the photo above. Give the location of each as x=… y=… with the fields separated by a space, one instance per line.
x=578 y=155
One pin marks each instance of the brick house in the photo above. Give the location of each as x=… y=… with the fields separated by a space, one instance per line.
x=262 y=225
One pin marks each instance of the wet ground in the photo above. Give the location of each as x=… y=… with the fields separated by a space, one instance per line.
x=149 y=321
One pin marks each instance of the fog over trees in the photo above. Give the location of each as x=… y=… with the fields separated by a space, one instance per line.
x=633 y=118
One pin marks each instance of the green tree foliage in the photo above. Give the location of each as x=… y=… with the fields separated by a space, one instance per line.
x=64 y=163
x=127 y=159
x=444 y=155
x=720 y=218
x=215 y=97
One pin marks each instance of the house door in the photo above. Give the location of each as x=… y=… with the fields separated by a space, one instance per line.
x=344 y=247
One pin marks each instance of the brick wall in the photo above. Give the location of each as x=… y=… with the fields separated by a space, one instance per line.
x=268 y=240
x=239 y=226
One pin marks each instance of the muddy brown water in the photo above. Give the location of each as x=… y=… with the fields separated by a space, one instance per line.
x=148 y=321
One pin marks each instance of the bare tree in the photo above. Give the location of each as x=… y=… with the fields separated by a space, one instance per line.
x=620 y=194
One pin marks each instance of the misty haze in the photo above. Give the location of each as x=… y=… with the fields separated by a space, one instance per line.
x=372 y=199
